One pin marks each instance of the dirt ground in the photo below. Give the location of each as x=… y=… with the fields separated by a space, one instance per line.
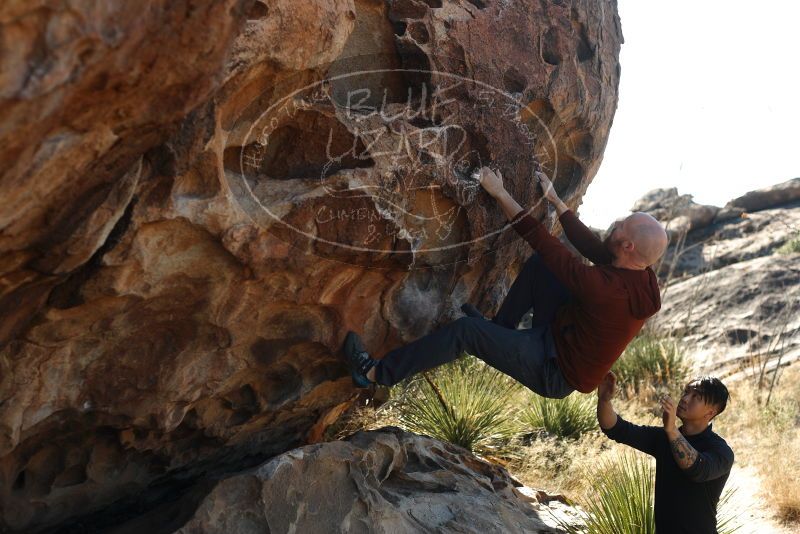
x=749 y=500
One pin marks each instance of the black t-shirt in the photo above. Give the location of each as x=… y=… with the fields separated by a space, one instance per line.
x=686 y=499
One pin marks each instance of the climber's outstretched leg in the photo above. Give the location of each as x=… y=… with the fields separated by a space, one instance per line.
x=528 y=356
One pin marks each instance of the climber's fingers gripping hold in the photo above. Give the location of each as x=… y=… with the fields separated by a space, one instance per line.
x=547 y=186
x=491 y=181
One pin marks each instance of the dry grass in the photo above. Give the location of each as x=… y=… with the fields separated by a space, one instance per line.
x=565 y=465
x=767 y=436
x=782 y=484
x=555 y=464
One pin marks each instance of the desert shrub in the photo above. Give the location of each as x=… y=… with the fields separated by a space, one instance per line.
x=651 y=364
x=623 y=497
x=791 y=246
x=465 y=402
x=567 y=418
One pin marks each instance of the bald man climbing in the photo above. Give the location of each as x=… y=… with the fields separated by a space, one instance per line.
x=583 y=316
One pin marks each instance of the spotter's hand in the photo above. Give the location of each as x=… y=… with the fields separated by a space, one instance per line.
x=669 y=410
x=607 y=388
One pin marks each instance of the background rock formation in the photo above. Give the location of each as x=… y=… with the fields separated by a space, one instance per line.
x=732 y=296
x=738 y=317
x=680 y=214
x=154 y=330
x=708 y=237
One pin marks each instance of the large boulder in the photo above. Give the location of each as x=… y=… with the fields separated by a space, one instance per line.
x=195 y=212
x=384 y=481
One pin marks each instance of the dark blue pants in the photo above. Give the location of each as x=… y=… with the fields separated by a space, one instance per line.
x=527 y=355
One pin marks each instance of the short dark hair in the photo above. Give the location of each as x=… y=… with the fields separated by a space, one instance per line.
x=711 y=390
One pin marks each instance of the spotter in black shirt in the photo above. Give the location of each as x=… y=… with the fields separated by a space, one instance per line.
x=686 y=499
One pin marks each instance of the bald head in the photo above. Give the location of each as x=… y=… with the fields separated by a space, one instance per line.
x=648 y=236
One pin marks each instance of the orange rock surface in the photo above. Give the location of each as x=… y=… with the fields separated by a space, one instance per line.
x=199 y=199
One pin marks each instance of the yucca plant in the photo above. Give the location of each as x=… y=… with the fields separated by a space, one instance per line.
x=567 y=418
x=623 y=500
x=623 y=497
x=649 y=364
x=465 y=403
x=727 y=515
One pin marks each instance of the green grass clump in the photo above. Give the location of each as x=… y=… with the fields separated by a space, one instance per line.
x=466 y=403
x=624 y=493
x=622 y=500
x=650 y=364
x=791 y=246
x=567 y=418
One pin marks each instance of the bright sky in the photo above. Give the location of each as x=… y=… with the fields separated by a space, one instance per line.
x=709 y=102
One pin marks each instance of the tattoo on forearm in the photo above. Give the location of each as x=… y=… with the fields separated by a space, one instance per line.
x=683 y=453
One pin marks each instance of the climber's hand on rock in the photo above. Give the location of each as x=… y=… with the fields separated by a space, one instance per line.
x=491 y=181
x=547 y=186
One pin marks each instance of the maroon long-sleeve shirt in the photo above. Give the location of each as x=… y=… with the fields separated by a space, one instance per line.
x=609 y=305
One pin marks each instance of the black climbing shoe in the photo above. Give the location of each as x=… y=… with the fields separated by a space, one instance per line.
x=358 y=359
x=471 y=311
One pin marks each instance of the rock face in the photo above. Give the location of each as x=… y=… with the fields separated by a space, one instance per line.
x=200 y=199
x=731 y=295
x=739 y=317
x=705 y=237
x=381 y=481
x=749 y=236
